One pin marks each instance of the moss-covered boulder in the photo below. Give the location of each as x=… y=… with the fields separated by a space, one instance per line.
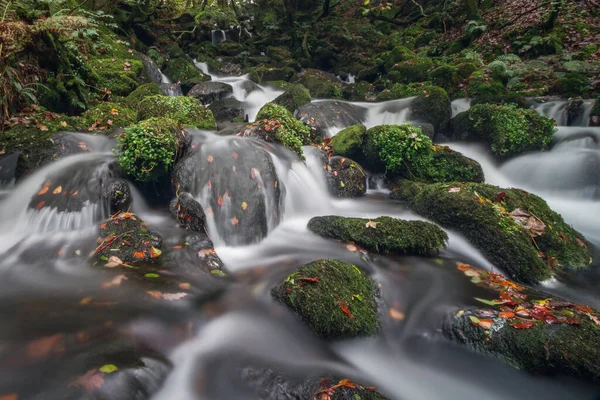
x=515 y=230
x=207 y=92
x=349 y=141
x=118 y=75
x=337 y=300
x=508 y=130
x=147 y=150
x=274 y=123
x=574 y=84
x=294 y=97
x=345 y=177
x=415 y=70
x=432 y=106
x=359 y=91
x=106 y=116
x=404 y=151
x=146 y=90
x=321 y=85
x=228 y=110
x=186 y=111
x=398 y=54
x=402 y=91
x=528 y=329
x=383 y=235
x=444 y=76
x=263 y=73
x=125 y=238
x=182 y=70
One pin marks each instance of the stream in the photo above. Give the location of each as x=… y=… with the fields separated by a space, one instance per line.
x=209 y=344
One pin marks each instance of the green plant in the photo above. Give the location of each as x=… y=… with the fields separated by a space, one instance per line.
x=147 y=150
x=397 y=145
x=289 y=131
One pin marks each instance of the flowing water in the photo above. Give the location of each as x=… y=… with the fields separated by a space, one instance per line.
x=60 y=323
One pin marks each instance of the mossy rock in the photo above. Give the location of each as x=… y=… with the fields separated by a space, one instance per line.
x=360 y=91
x=319 y=293
x=443 y=164
x=415 y=70
x=146 y=90
x=186 y=111
x=482 y=213
x=345 y=177
x=484 y=90
x=321 y=85
x=402 y=91
x=158 y=59
x=383 y=235
x=118 y=75
x=507 y=129
x=552 y=337
x=106 y=116
x=432 y=106
x=148 y=150
x=264 y=73
x=574 y=84
x=35 y=148
x=181 y=70
x=294 y=97
x=349 y=141
x=445 y=76
x=278 y=124
x=398 y=54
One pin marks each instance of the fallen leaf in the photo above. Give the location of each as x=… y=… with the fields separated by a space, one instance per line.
x=312 y=280
x=152 y=275
x=234 y=221
x=155 y=294
x=139 y=254
x=506 y=315
x=244 y=206
x=63 y=124
x=489 y=302
x=371 y=224
x=10 y=396
x=44 y=189
x=220 y=201
x=210 y=159
x=528 y=222
x=154 y=252
x=184 y=286
x=42 y=347
x=109 y=368
x=523 y=325
x=345 y=307
x=114 y=111
x=351 y=247
x=113 y=261
x=173 y=296
x=581 y=243
x=397 y=315
x=91 y=381
x=116 y=281
x=454 y=190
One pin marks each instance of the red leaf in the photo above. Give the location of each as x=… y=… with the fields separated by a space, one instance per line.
x=91 y=381
x=506 y=315
x=345 y=308
x=313 y=280
x=523 y=325
x=42 y=347
x=139 y=254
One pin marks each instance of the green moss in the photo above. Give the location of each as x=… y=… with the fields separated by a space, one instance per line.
x=118 y=75
x=146 y=151
x=319 y=84
x=181 y=70
x=465 y=70
x=319 y=303
x=349 y=141
x=360 y=91
x=445 y=165
x=108 y=115
x=148 y=89
x=432 y=106
x=35 y=147
x=383 y=235
x=445 y=76
x=588 y=50
x=186 y=111
x=264 y=73
x=158 y=59
x=509 y=130
x=402 y=91
x=294 y=97
x=573 y=84
x=481 y=213
x=290 y=132
x=414 y=70
x=398 y=54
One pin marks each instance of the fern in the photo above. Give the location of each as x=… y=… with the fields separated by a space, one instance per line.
x=508 y=58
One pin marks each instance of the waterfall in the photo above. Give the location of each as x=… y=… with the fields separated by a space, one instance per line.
x=218 y=36
x=459 y=106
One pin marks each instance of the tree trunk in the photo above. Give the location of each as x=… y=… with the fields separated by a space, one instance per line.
x=556 y=7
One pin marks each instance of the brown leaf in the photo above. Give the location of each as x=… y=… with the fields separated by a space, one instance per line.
x=10 y=396
x=91 y=381
x=42 y=347
x=528 y=222
x=173 y=296
x=116 y=281
x=371 y=224
x=113 y=261
x=397 y=315
x=581 y=243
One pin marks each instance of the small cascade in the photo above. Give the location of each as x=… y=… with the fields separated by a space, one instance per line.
x=171 y=89
x=218 y=36
x=557 y=110
x=583 y=119
x=393 y=112
x=164 y=78
x=460 y=105
x=351 y=78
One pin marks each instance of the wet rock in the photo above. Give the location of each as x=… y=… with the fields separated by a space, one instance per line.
x=151 y=70
x=227 y=110
x=335 y=299
x=208 y=92
x=264 y=73
x=325 y=114
x=595 y=114
x=528 y=329
x=186 y=111
x=574 y=109
x=433 y=107
x=293 y=98
x=383 y=235
x=507 y=130
x=515 y=230
x=250 y=86
x=8 y=167
x=171 y=89
x=346 y=178
x=349 y=142
x=181 y=70
x=128 y=238
x=236 y=182
x=188 y=212
x=320 y=84
x=118 y=195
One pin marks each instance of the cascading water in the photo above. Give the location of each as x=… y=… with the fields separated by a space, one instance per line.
x=557 y=110
x=218 y=36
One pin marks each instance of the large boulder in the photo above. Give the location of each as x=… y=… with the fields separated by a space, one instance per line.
x=528 y=329
x=146 y=90
x=349 y=142
x=345 y=177
x=324 y=115
x=432 y=106
x=320 y=84
x=186 y=111
x=235 y=181
x=107 y=116
x=383 y=235
x=515 y=230
x=228 y=110
x=337 y=300
x=508 y=130
x=208 y=92
x=182 y=70
x=293 y=98
x=119 y=75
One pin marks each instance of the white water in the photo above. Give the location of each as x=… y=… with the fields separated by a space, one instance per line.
x=460 y=105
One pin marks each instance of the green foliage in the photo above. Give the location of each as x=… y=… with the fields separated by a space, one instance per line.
x=118 y=75
x=290 y=132
x=135 y=98
x=383 y=235
x=414 y=70
x=338 y=303
x=147 y=150
x=442 y=164
x=108 y=115
x=508 y=129
x=319 y=84
x=574 y=84
x=445 y=76
x=186 y=111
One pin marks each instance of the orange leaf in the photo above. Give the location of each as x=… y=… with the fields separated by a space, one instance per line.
x=42 y=347
x=244 y=206
x=397 y=315
x=44 y=190
x=40 y=205
x=184 y=286
x=463 y=267
x=235 y=221
x=220 y=201
x=209 y=211
x=585 y=309
x=91 y=381
x=523 y=325
x=139 y=254
x=345 y=308
x=155 y=294
x=10 y=396
x=210 y=159
x=103 y=226
x=506 y=314
x=154 y=252
x=485 y=323
x=57 y=190
x=116 y=281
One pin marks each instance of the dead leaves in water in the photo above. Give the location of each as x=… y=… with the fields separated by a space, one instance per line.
x=91 y=381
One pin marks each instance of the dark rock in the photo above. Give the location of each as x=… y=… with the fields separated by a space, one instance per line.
x=151 y=70
x=188 y=212
x=327 y=114
x=293 y=98
x=346 y=178
x=118 y=195
x=8 y=167
x=208 y=92
x=320 y=84
x=227 y=110
x=433 y=107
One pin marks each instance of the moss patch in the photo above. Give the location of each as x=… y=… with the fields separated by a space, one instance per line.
x=118 y=75
x=482 y=213
x=349 y=142
x=108 y=115
x=432 y=106
x=181 y=70
x=288 y=130
x=383 y=235
x=335 y=299
x=148 y=89
x=320 y=84
x=507 y=129
x=295 y=96
x=186 y=111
